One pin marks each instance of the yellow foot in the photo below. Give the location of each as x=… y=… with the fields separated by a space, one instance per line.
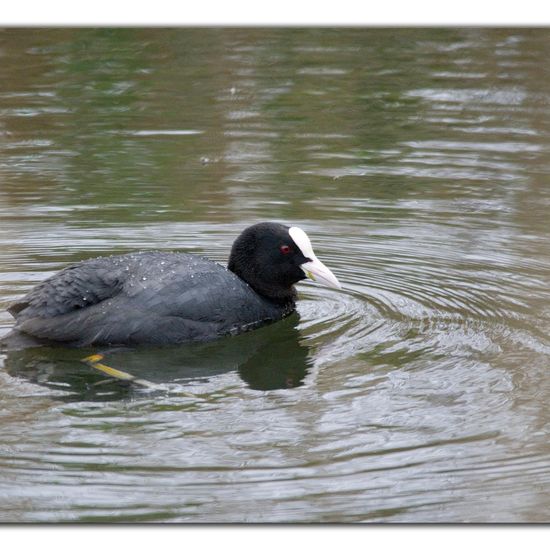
x=96 y=357
x=94 y=362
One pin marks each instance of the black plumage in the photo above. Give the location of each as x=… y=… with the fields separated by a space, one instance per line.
x=166 y=298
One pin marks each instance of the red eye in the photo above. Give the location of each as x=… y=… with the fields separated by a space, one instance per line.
x=285 y=249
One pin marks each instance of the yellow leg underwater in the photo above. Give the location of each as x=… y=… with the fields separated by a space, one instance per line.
x=115 y=374
x=94 y=362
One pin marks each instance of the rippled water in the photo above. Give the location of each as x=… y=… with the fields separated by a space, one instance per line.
x=417 y=161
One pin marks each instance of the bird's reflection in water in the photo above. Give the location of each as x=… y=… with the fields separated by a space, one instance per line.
x=269 y=358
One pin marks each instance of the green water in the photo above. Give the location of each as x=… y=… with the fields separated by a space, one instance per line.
x=417 y=160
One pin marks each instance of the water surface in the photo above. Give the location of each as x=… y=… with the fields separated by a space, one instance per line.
x=416 y=160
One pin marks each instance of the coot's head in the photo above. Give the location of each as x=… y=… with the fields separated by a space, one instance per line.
x=272 y=257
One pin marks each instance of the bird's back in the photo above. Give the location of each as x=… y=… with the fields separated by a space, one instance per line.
x=147 y=297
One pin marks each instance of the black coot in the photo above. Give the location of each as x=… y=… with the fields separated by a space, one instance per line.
x=169 y=298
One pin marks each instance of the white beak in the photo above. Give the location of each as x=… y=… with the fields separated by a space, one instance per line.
x=318 y=271
x=314 y=269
